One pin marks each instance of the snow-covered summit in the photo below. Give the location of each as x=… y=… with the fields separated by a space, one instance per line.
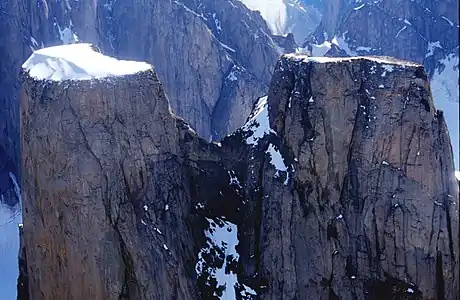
x=78 y=62
x=326 y=59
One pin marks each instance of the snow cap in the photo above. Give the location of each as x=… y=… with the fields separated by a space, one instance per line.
x=78 y=62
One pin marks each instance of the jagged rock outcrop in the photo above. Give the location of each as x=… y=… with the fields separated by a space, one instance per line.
x=371 y=211
x=423 y=31
x=212 y=67
x=340 y=185
x=394 y=28
x=286 y=42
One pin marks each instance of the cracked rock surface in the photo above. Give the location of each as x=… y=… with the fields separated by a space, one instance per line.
x=341 y=186
x=211 y=66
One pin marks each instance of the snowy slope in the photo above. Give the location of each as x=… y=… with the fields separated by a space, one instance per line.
x=273 y=11
x=444 y=88
x=77 y=62
x=287 y=16
x=9 y=244
x=9 y=247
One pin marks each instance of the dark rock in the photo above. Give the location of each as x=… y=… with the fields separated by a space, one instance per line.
x=286 y=42
x=349 y=194
x=23 y=278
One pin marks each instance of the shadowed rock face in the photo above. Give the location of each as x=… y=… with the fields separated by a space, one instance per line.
x=350 y=195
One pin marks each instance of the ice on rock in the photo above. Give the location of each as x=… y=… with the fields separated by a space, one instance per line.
x=78 y=62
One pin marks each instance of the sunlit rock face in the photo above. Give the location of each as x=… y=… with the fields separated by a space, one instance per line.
x=423 y=31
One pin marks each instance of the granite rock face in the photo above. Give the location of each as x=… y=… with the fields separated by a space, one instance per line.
x=422 y=31
x=341 y=185
x=106 y=194
x=212 y=67
x=372 y=208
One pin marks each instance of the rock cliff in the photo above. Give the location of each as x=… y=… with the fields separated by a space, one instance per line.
x=212 y=67
x=340 y=185
x=371 y=208
x=422 y=31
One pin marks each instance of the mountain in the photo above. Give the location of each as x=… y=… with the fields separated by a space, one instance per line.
x=340 y=185
x=212 y=67
x=422 y=31
x=287 y=16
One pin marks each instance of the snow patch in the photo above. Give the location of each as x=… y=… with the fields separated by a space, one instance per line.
x=77 y=62
x=233 y=179
x=401 y=30
x=222 y=239
x=232 y=75
x=362 y=48
x=380 y=60
x=189 y=10
x=407 y=22
x=321 y=49
x=431 y=47
x=66 y=35
x=277 y=161
x=217 y=23
x=258 y=122
x=448 y=21
x=342 y=44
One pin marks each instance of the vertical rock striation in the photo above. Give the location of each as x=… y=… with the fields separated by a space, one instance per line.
x=106 y=204
x=371 y=211
x=212 y=67
x=340 y=185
